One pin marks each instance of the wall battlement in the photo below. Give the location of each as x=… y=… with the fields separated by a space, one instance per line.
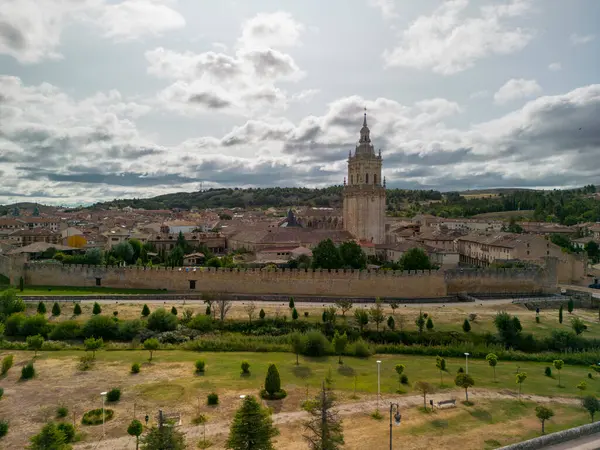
x=330 y=283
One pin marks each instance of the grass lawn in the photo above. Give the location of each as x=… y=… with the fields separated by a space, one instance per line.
x=75 y=290
x=169 y=382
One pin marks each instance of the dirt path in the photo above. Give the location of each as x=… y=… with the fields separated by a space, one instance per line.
x=194 y=433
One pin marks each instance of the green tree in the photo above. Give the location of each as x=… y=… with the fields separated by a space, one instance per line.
x=123 y=251
x=77 y=309
x=261 y=314
x=420 y=322
x=570 y=306
x=466 y=326
x=344 y=305
x=10 y=303
x=50 y=438
x=394 y=304
x=415 y=259
x=56 y=309
x=35 y=343
x=543 y=413
x=376 y=313
x=161 y=320
x=560 y=314
x=175 y=258
x=173 y=310
x=391 y=323
x=295 y=314
x=558 y=365
x=339 y=344
x=41 y=308
x=163 y=438
x=326 y=256
x=181 y=242
x=582 y=386
x=492 y=361
x=521 y=377
x=429 y=324
x=362 y=318
x=352 y=255
x=399 y=370
x=297 y=341
x=324 y=427
x=96 y=309
x=137 y=247
x=440 y=363
x=151 y=345
x=593 y=251
x=464 y=381
x=291 y=303
x=145 y=310
x=135 y=428
x=509 y=327
x=272 y=380
x=591 y=404
x=424 y=388
x=93 y=345
x=252 y=427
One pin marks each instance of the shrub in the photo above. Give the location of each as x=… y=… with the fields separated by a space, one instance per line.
x=200 y=365
x=96 y=309
x=33 y=325
x=56 y=309
x=41 y=308
x=68 y=430
x=86 y=362
x=316 y=344
x=28 y=371
x=212 y=399
x=115 y=314
x=114 y=395
x=3 y=428
x=262 y=314
x=77 y=309
x=361 y=349
x=272 y=381
x=548 y=371
x=145 y=310
x=460 y=370
x=466 y=326
x=62 y=411
x=94 y=417
x=101 y=327
x=537 y=319
x=7 y=363
x=204 y=324
x=174 y=311
x=305 y=313
x=245 y=367
x=404 y=379
x=65 y=331
x=1 y=392
x=13 y=324
x=590 y=376
x=129 y=329
x=135 y=368
x=160 y=320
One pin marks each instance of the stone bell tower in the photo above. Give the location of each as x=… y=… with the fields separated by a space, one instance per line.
x=364 y=191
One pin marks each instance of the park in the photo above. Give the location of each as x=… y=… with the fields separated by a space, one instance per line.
x=199 y=360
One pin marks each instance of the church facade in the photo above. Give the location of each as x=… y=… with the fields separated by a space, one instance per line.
x=364 y=192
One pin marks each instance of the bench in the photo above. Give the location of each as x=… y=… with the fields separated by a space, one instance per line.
x=446 y=404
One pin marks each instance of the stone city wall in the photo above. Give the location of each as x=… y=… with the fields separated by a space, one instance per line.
x=317 y=283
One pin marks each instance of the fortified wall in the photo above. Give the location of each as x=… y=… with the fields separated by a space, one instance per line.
x=334 y=283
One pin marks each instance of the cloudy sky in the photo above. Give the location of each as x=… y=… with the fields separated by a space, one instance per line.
x=103 y=99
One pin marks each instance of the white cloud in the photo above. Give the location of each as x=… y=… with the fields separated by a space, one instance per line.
x=30 y=30
x=555 y=66
x=241 y=83
x=386 y=7
x=578 y=39
x=271 y=30
x=480 y=94
x=516 y=88
x=446 y=43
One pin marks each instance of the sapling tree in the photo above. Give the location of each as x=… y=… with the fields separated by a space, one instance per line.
x=521 y=377
x=464 y=381
x=339 y=343
x=92 y=344
x=591 y=404
x=440 y=363
x=558 y=365
x=492 y=361
x=135 y=428
x=543 y=413
x=35 y=343
x=424 y=388
x=151 y=345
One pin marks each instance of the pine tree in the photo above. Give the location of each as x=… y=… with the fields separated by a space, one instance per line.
x=77 y=309
x=41 y=308
x=56 y=309
x=97 y=309
x=262 y=314
x=570 y=306
x=324 y=428
x=294 y=314
x=466 y=326
x=429 y=324
x=291 y=303
x=252 y=427
x=174 y=311
x=560 y=314
x=145 y=310
x=272 y=381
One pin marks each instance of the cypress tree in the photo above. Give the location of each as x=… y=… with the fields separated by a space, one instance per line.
x=560 y=314
x=466 y=326
x=77 y=309
x=262 y=314
x=41 y=309
x=97 y=309
x=272 y=381
x=291 y=304
x=174 y=311
x=56 y=309
x=145 y=310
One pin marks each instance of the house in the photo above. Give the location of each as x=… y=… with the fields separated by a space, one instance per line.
x=51 y=223
x=194 y=259
x=255 y=239
x=25 y=237
x=215 y=242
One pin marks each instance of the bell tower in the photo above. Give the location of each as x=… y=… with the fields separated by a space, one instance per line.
x=364 y=191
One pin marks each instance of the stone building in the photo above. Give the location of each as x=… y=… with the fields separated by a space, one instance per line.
x=364 y=192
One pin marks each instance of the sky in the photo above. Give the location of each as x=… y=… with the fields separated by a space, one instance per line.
x=104 y=99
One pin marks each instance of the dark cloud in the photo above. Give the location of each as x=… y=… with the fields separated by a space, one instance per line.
x=209 y=100
x=12 y=36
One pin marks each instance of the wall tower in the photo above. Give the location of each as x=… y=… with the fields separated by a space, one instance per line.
x=364 y=191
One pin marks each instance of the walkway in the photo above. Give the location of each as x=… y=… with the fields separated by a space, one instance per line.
x=585 y=443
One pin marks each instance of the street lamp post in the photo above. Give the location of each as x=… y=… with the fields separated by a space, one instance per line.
x=378 y=382
x=397 y=418
x=103 y=395
x=467 y=362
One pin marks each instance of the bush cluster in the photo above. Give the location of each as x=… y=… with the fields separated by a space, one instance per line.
x=200 y=366
x=212 y=399
x=28 y=371
x=94 y=416
x=135 y=368
x=114 y=395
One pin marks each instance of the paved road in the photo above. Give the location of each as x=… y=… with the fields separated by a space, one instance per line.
x=586 y=443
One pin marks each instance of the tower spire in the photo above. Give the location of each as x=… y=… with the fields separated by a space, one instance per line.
x=365 y=120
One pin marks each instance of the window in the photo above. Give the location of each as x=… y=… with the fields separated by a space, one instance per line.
x=547 y=252
x=98 y=281
x=528 y=252
x=351 y=179
x=367 y=178
x=192 y=284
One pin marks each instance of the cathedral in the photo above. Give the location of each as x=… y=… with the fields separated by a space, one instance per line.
x=364 y=192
